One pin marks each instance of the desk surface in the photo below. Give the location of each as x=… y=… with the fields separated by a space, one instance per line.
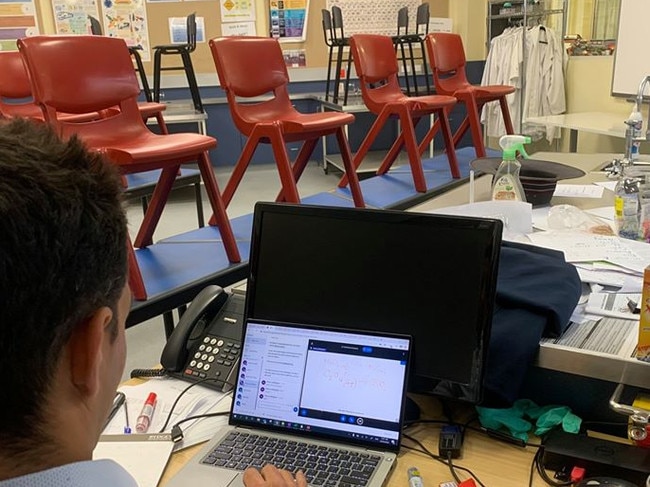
x=494 y=462
x=610 y=368
x=603 y=123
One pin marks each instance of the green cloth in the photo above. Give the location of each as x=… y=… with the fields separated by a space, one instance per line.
x=519 y=419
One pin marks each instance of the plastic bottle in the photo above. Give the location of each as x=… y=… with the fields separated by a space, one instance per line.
x=637 y=126
x=506 y=184
x=627 y=207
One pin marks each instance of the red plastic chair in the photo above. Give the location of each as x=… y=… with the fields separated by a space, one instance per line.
x=252 y=67
x=447 y=61
x=81 y=74
x=15 y=85
x=376 y=65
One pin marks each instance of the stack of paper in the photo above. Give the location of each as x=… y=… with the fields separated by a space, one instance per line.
x=195 y=401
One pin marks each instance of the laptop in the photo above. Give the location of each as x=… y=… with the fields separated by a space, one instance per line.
x=327 y=401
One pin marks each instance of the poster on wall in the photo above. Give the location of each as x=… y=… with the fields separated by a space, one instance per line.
x=372 y=17
x=289 y=19
x=17 y=20
x=127 y=19
x=73 y=16
x=238 y=29
x=178 y=30
x=237 y=10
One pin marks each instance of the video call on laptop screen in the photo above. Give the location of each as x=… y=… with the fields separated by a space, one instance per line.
x=318 y=382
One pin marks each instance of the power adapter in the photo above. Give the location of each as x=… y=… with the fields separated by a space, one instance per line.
x=450 y=442
x=598 y=457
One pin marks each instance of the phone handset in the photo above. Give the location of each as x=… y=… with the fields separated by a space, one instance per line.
x=191 y=327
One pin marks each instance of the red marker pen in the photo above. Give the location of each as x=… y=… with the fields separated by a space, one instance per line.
x=144 y=419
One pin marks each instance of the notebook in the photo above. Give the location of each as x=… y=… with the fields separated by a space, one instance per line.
x=315 y=395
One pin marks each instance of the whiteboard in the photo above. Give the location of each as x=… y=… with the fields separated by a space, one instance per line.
x=632 y=56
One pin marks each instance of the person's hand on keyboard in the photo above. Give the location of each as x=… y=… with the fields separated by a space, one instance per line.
x=270 y=476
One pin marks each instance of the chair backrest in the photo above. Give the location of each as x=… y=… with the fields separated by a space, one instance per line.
x=376 y=65
x=328 y=31
x=337 y=23
x=83 y=74
x=95 y=26
x=422 y=19
x=15 y=89
x=249 y=67
x=403 y=21
x=191 y=31
x=447 y=62
x=14 y=80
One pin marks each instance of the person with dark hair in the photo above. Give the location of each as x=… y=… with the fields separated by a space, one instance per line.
x=64 y=300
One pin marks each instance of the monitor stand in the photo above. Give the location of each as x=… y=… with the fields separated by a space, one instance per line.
x=411 y=411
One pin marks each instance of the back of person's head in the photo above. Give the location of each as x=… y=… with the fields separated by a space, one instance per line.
x=62 y=256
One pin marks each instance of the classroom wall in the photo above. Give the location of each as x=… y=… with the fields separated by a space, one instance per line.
x=159 y=12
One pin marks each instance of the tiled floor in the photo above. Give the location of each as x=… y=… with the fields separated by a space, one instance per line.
x=146 y=340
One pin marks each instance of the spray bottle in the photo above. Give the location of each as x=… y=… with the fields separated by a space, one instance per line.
x=506 y=184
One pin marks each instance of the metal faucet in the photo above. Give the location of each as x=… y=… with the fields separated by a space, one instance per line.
x=639 y=102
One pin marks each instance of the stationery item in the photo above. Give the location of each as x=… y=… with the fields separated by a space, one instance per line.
x=127 y=427
x=143 y=456
x=144 y=419
x=118 y=402
x=415 y=479
x=323 y=393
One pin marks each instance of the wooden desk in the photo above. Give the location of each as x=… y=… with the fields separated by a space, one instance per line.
x=609 y=368
x=494 y=462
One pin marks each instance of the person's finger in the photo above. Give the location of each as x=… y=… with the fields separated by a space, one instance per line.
x=252 y=477
x=272 y=475
x=288 y=478
x=301 y=479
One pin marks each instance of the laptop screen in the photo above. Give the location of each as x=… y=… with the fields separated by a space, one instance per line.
x=338 y=384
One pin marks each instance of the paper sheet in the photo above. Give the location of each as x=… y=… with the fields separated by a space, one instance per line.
x=614 y=305
x=579 y=191
x=197 y=400
x=143 y=456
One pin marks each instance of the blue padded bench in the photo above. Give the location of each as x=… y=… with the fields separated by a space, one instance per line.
x=175 y=269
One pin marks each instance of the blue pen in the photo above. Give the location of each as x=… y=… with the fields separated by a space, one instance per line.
x=127 y=428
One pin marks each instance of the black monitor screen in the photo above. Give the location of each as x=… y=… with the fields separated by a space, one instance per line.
x=429 y=276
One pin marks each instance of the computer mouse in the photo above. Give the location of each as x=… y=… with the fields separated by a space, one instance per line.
x=605 y=481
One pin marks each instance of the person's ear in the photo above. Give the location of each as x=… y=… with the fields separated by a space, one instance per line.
x=86 y=351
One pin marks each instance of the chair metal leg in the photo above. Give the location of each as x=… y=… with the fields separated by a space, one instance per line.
x=143 y=75
x=199 y=204
x=191 y=80
x=156 y=75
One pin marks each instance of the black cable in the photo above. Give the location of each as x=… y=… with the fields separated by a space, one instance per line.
x=425 y=450
x=177 y=432
x=537 y=459
x=200 y=381
x=452 y=469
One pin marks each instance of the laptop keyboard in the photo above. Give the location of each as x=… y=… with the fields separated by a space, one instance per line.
x=326 y=466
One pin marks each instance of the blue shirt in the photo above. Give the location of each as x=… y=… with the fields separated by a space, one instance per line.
x=98 y=473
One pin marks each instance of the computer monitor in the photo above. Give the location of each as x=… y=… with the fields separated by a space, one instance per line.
x=429 y=276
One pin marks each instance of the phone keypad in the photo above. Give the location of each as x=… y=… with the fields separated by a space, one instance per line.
x=214 y=357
